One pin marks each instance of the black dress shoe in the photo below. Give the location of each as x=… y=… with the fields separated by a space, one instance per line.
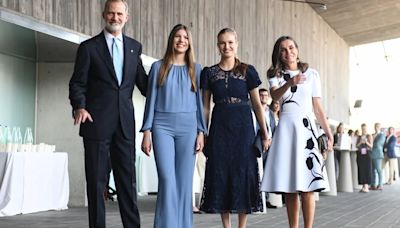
x=269 y=205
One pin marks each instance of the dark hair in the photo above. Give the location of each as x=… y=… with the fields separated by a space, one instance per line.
x=338 y=126
x=263 y=90
x=277 y=66
x=239 y=67
x=350 y=132
x=169 y=54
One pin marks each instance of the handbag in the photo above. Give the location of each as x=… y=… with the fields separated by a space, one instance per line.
x=257 y=144
x=323 y=145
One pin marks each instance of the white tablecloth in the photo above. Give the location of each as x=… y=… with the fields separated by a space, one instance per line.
x=32 y=182
x=146 y=172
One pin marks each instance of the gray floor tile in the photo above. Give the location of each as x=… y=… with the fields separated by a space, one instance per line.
x=377 y=209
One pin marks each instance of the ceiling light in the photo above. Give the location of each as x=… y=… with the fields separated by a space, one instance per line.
x=321 y=5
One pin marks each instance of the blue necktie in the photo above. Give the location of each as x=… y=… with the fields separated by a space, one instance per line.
x=117 y=60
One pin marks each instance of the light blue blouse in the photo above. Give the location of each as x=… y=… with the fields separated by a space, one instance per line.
x=175 y=95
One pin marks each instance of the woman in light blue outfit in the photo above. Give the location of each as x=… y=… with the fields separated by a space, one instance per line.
x=174 y=122
x=377 y=157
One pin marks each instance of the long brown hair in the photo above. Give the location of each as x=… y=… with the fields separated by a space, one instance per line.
x=277 y=66
x=170 y=52
x=239 y=67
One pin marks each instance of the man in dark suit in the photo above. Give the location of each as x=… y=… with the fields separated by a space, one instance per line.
x=107 y=68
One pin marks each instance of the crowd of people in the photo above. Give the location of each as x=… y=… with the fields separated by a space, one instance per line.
x=180 y=121
x=376 y=156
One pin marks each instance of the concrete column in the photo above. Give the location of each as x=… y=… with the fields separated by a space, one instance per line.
x=330 y=168
x=55 y=125
x=354 y=169
x=316 y=196
x=345 y=178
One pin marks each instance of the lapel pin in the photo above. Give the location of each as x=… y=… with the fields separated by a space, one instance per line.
x=131 y=51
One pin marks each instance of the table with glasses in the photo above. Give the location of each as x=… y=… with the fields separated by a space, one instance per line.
x=32 y=182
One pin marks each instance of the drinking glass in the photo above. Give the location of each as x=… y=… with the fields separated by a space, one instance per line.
x=28 y=139
x=3 y=142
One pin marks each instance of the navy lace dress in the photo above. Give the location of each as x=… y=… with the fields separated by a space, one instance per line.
x=231 y=179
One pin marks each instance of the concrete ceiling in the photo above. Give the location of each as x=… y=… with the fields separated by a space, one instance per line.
x=54 y=49
x=362 y=21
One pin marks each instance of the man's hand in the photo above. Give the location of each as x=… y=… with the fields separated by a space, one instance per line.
x=146 y=142
x=81 y=115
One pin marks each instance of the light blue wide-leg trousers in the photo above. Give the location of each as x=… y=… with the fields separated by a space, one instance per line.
x=174 y=136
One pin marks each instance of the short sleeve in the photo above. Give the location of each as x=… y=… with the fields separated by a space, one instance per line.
x=273 y=82
x=204 y=79
x=253 y=80
x=316 y=84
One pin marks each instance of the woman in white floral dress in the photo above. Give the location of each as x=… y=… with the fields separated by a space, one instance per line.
x=295 y=166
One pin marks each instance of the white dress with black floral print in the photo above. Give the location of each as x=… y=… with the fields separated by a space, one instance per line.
x=294 y=163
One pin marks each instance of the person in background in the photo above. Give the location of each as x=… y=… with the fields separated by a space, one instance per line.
x=397 y=150
x=294 y=166
x=107 y=68
x=376 y=157
x=353 y=139
x=232 y=179
x=174 y=124
x=336 y=142
x=269 y=114
x=390 y=155
x=364 y=145
x=270 y=121
x=275 y=107
x=353 y=156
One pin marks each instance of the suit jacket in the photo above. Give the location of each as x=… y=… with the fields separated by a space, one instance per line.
x=272 y=122
x=94 y=86
x=377 y=146
x=390 y=146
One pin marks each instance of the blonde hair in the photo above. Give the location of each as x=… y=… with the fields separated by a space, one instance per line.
x=239 y=67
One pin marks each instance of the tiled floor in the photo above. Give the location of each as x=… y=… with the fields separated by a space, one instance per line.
x=377 y=209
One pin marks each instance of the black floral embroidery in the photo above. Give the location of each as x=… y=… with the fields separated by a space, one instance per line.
x=218 y=74
x=309 y=163
x=286 y=76
x=293 y=90
x=310 y=145
x=307 y=124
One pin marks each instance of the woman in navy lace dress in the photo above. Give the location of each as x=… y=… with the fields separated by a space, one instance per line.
x=231 y=179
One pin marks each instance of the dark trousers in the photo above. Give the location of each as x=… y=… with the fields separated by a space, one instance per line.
x=265 y=157
x=122 y=154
